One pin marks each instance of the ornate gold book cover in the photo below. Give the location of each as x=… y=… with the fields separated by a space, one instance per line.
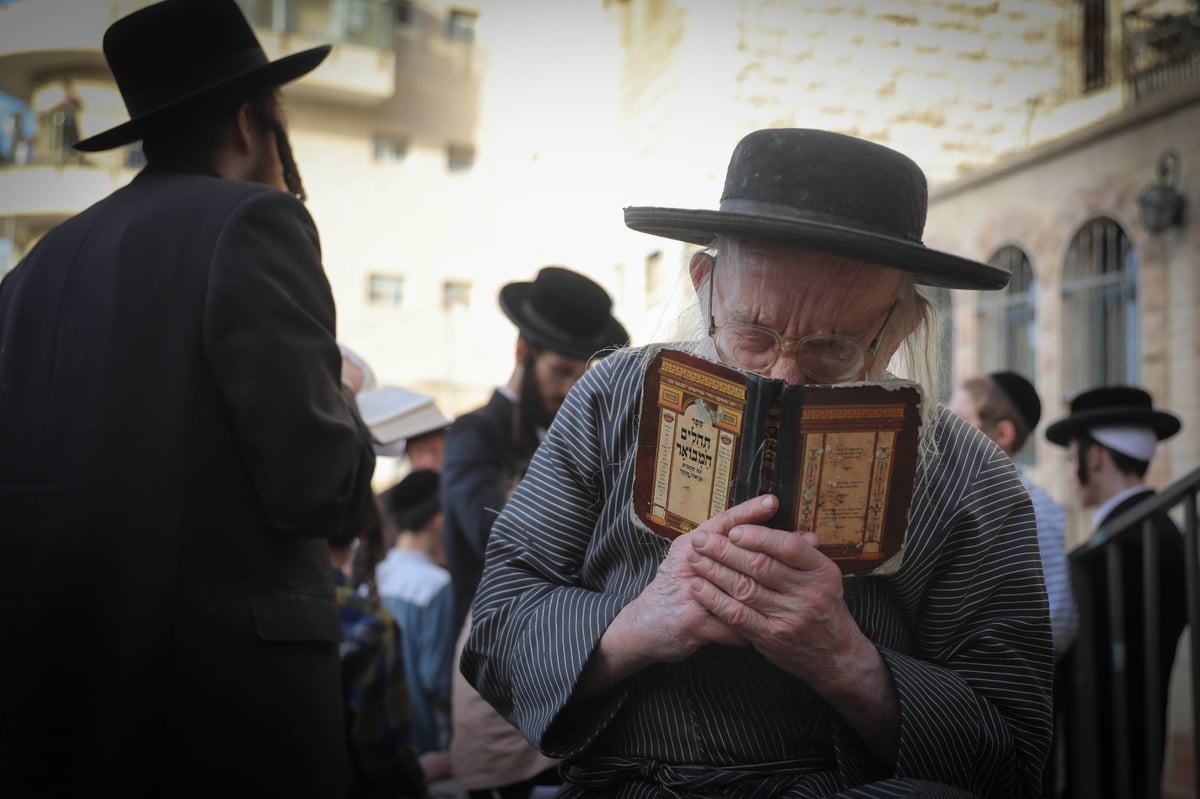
x=841 y=458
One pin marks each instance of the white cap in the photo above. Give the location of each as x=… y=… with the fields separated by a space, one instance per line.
x=1136 y=442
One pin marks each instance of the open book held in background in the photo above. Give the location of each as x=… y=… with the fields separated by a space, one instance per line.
x=393 y=413
x=840 y=458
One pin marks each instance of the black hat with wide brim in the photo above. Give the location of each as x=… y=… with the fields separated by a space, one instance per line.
x=1112 y=405
x=564 y=312
x=826 y=192
x=181 y=54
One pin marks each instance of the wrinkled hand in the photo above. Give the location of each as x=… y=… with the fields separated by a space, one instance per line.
x=778 y=592
x=674 y=624
x=666 y=622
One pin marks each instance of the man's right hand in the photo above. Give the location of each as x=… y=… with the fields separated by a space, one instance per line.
x=665 y=623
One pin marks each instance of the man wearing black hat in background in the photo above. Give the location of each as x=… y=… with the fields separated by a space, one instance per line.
x=177 y=447
x=736 y=660
x=1111 y=434
x=564 y=320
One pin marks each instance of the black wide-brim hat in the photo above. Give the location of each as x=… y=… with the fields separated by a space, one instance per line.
x=179 y=54
x=1112 y=405
x=564 y=312
x=826 y=192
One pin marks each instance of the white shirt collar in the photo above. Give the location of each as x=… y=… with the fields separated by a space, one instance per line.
x=1113 y=501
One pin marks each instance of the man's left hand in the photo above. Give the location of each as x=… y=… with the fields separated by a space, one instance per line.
x=779 y=591
x=784 y=597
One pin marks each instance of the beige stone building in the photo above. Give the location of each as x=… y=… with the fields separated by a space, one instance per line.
x=449 y=148
x=1039 y=124
x=429 y=155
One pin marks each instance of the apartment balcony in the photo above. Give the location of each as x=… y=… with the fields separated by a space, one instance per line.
x=43 y=180
x=39 y=37
x=361 y=70
x=1160 y=46
x=62 y=37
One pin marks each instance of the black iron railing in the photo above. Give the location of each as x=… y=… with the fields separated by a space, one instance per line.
x=1101 y=718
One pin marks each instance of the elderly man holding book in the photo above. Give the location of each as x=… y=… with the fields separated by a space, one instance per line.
x=739 y=658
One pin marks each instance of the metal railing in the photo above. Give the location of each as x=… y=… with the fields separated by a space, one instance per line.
x=365 y=22
x=1160 y=46
x=1109 y=634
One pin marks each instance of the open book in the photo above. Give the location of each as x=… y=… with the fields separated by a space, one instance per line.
x=393 y=413
x=840 y=458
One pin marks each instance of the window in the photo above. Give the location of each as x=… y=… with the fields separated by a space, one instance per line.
x=460 y=25
x=1100 y=308
x=390 y=149
x=1007 y=332
x=385 y=289
x=1095 y=44
x=456 y=294
x=460 y=157
x=403 y=12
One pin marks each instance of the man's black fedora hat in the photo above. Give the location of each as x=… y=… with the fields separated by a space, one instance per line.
x=564 y=312
x=1112 y=405
x=826 y=192
x=178 y=53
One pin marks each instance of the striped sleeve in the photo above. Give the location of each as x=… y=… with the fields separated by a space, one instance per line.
x=974 y=687
x=535 y=624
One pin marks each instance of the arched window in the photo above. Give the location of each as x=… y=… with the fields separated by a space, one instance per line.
x=1007 y=333
x=1100 y=333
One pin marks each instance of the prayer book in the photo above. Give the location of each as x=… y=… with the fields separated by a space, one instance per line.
x=840 y=458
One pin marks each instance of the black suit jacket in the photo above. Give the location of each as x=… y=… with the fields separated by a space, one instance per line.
x=175 y=446
x=486 y=456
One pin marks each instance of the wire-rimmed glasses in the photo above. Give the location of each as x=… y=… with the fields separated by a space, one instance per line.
x=823 y=358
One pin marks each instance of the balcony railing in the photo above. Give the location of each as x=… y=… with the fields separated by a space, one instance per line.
x=1108 y=632
x=1160 y=46
x=365 y=22
x=51 y=143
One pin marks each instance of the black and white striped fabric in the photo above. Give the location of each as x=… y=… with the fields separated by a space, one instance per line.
x=963 y=627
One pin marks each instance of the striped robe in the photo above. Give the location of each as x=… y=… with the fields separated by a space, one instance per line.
x=962 y=626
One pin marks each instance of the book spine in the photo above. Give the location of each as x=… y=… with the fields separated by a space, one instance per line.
x=789 y=450
x=757 y=447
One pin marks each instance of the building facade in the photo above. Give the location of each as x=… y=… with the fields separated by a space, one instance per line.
x=449 y=149
x=1039 y=125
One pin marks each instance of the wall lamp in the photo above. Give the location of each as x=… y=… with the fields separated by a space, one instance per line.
x=1161 y=205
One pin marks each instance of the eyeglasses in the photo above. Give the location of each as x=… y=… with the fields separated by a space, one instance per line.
x=823 y=358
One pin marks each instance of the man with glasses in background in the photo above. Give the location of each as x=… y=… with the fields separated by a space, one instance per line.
x=736 y=660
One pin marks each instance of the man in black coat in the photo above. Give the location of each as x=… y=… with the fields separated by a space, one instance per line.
x=564 y=319
x=175 y=446
x=1111 y=435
